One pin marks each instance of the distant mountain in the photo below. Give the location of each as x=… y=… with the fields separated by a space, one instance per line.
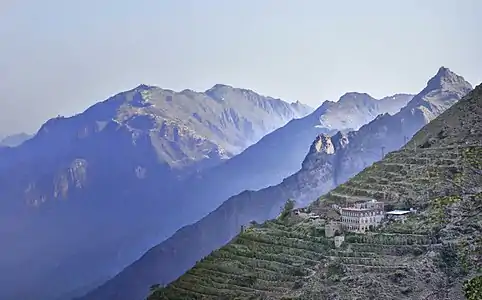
x=76 y=198
x=388 y=133
x=280 y=153
x=434 y=254
x=15 y=139
x=326 y=165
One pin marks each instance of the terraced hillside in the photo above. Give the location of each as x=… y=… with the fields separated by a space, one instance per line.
x=428 y=257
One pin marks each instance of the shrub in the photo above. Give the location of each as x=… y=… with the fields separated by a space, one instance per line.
x=473 y=288
x=287 y=208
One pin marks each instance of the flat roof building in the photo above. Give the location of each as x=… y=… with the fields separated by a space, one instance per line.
x=399 y=215
x=362 y=216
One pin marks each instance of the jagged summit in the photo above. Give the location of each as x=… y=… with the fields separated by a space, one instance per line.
x=439 y=92
x=323 y=150
x=445 y=79
x=322 y=143
x=142 y=87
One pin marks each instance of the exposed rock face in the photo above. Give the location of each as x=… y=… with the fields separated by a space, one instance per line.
x=87 y=194
x=427 y=257
x=330 y=161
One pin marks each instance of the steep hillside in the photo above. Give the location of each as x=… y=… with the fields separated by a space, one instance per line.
x=428 y=257
x=388 y=133
x=81 y=199
x=320 y=172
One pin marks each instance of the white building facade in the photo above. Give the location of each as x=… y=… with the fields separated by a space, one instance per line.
x=362 y=216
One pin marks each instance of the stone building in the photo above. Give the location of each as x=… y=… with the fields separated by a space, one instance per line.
x=362 y=216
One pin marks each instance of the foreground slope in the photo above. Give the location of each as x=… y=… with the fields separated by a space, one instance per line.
x=329 y=160
x=428 y=257
x=78 y=199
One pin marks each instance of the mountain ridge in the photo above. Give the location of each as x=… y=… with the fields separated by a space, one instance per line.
x=142 y=142
x=429 y=256
x=317 y=176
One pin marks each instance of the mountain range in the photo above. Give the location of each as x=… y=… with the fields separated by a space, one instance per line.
x=87 y=191
x=78 y=196
x=279 y=153
x=331 y=160
x=14 y=140
x=434 y=254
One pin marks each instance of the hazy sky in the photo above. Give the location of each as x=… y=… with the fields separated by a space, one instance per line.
x=60 y=56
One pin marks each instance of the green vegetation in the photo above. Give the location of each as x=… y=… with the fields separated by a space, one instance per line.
x=335 y=271
x=271 y=258
x=280 y=256
x=473 y=288
x=438 y=208
x=287 y=208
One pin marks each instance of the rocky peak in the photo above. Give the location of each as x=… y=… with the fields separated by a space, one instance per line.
x=322 y=143
x=143 y=87
x=355 y=97
x=322 y=147
x=442 y=91
x=445 y=79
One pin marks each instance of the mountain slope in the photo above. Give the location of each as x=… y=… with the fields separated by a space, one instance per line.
x=77 y=198
x=279 y=154
x=428 y=257
x=289 y=143
x=320 y=172
x=388 y=133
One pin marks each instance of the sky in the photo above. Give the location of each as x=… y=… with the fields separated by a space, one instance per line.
x=61 y=56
